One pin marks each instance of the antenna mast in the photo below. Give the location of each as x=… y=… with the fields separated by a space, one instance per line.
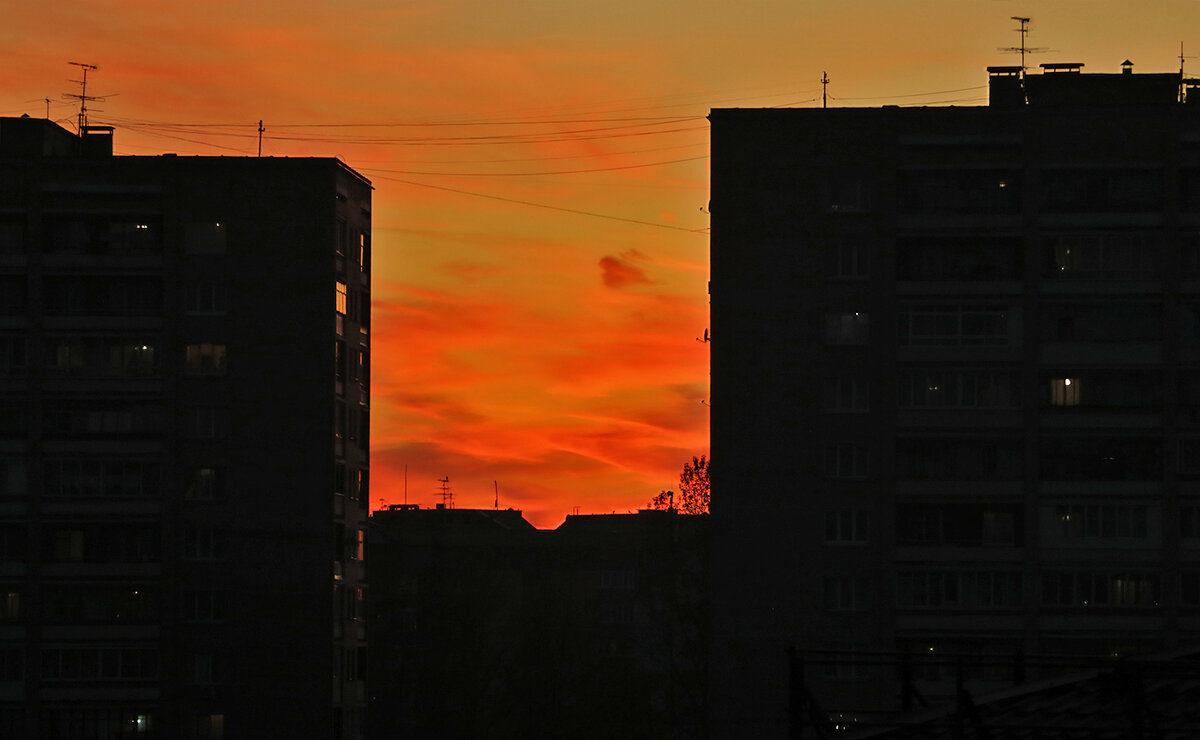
x=1182 y=95
x=1022 y=49
x=824 y=85
x=447 y=496
x=82 y=96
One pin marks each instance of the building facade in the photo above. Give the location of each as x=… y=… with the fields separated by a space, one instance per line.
x=955 y=388
x=483 y=626
x=184 y=375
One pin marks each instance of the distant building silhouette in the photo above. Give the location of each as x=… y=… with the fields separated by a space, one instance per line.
x=482 y=626
x=955 y=388
x=183 y=442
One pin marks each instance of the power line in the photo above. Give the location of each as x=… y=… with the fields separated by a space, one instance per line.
x=516 y=201
x=546 y=172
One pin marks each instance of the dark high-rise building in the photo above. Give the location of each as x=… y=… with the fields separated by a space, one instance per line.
x=955 y=390
x=184 y=384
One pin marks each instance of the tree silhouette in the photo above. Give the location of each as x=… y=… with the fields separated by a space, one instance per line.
x=695 y=489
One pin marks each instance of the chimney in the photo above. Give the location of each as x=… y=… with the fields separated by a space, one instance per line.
x=96 y=141
x=1126 y=67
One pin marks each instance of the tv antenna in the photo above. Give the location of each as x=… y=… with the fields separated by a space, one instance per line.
x=447 y=496
x=1181 y=58
x=1022 y=49
x=82 y=95
x=824 y=87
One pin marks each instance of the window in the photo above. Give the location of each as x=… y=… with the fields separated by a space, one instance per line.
x=12 y=355
x=955 y=325
x=203 y=543
x=12 y=234
x=847 y=259
x=918 y=524
x=203 y=484
x=340 y=362
x=202 y=671
x=99 y=664
x=1189 y=525
x=1101 y=521
x=939 y=458
x=1100 y=458
x=846 y=395
x=846 y=193
x=959 y=191
x=208 y=422
x=1065 y=391
x=342 y=298
x=959 y=258
x=10 y=604
x=847 y=328
x=12 y=477
x=950 y=589
x=1111 y=321
x=109 y=295
x=958 y=389
x=208 y=297
x=14 y=296
x=364 y=253
x=845 y=665
x=1102 y=256
x=999 y=528
x=205 y=359
x=846 y=527
x=847 y=460
x=847 y=594
x=108 y=542
x=204 y=605
x=205 y=237
x=104 y=234
x=84 y=603
x=1091 y=588
x=1189 y=456
x=131 y=359
x=1101 y=191
x=341 y=236
x=65 y=418
x=101 y=478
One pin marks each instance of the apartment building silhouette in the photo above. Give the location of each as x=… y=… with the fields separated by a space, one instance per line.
x=184 y=375
x=955 y=390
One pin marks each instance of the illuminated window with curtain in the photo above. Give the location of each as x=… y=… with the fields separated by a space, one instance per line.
x=1065 y=391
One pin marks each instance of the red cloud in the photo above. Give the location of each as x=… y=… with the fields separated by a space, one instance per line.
x=618 y=273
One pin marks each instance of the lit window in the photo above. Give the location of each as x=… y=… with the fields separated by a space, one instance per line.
x=1065 y=391
x=343 y=298
x=205 y=359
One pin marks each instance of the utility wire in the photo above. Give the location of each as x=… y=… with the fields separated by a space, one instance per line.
x=547 y=172
x=575 y=211
x=910 y=95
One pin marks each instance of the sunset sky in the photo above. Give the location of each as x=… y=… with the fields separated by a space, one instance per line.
x=541 y=181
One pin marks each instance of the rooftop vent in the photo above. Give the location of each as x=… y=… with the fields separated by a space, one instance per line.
x=1056 y=67
x=1126 y=67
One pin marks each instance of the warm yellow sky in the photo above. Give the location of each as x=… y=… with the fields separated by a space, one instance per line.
x=547 y=349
